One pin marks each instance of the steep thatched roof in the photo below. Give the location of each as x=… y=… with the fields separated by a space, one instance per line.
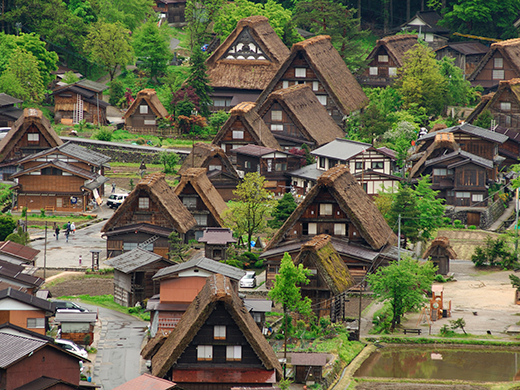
x=481 y=106
x=201 y=156
x=245 y=112
x=303 y=107
x=150 y=97
x=332 y=269
x=207 y=192
x=441 y=141
x=396 y=46
x=153 y=345
x=510 y=89
x=331 y=71
x=442 y=242
x=218 y=288
x=247 y=73
x=358 y=206
x=31 y=116
x=510 y=51
x=169 y=204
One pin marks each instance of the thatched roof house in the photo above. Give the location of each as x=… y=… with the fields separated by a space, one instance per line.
x=316 y=62
x=242 y=66
x=441 y=143
x=217 y=304
x=144 y=111
x=10 y=110
x=302 y=117
x=244 y=127
x=441 y=252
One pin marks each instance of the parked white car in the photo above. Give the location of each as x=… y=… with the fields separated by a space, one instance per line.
x=72 y=347
x=248 y=280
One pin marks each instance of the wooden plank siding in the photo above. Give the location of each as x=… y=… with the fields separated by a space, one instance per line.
x=290 y=128
x=64 y=108
x=228 y=140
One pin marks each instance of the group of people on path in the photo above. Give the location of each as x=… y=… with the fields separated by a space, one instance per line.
x=71 y=228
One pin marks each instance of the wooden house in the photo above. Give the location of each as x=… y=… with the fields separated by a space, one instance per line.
x=173 y=11
x=17 y=254
x=329 y=277
x=269 y=163
x=32 y=361
x=242 y=66
x=150 y=213
x=19 y=278
x=25 y=310
x=133 y=272
x=148 y=382
x=10 y=110
x=374 y=168
x=202 y=200
x=144 y=113
x=502 y=62
x=82 y=100
x=244 y=127
x=317 y=63
x=64 y=178
x=385 y=59
x=258 y=307
x=336 y=206
x=440 y=252
x=510 y=150
x=216 y=242
x=30 y=134
x=467 y=55
x=426 y=25
x=179 y=285
x=77 y=327
x=308 y=367
x=295 y=116
x=217 y=344
x=220 y=171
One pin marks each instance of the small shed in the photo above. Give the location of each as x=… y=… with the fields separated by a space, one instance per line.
x=78 y=327
x=308 y=366
x=258 y=307
x=440 y=252
x=133 y=272
x=144 y=112
x=216 y=242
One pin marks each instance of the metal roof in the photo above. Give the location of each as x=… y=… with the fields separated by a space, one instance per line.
x=255 y=150
x=467 y=48
x=341 y=149
x=71 y=316
x=466 y=155
x=308 y=359
x=258 y=305
x=130 y=261
x=27 y=298
x=309 y=172
x=214 y=236
x=92 y=85
x=14 y=348
x=469 y=129
x=24 y=252
x=17 y=273
x=146 y=382
x=199 y=261
x=6 y=100
x=84 y=154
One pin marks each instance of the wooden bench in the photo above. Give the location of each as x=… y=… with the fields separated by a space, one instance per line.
x=418 y=331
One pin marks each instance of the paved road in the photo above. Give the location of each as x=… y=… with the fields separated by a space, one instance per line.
x=118 y=358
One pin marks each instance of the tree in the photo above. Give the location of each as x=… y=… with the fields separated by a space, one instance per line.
x=420 y=81
x=178 y=249
x=22 y=70
x=169 y=160
x=109 y=44
x=282 y=211
x=199 y=14
x=152 y=48
x=199 y=81
x=249 y=214
x=484 y=119
x=380 y=114
x=20 y=237
x=326 y=17
x=459 y=90
x=309 y=158
x=130 y=13
x=7 y=226
x=403 y=284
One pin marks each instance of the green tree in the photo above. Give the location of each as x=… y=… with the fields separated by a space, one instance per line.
x=309 y=158
x=282 y=211
x=151 y=46
x=199 y=14
x=130 y=13
x=178 y=249
x=109 y=45
x=484 y=119
x=420 y=81
x=381 y=113
x=169 y=161
x=117 y=92
x=199 y=81
x=70 y=77
x=403 y=284
x=326 y=17
x=459 y=90
x=7 y=226
x=83 y=9
x=430 y=209
x=217 y=119
x=22 y=70
x=249 y=214
x=20 y=237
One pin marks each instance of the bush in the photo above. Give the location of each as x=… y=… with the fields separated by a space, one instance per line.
x=446 y=221
x=42 y=213
x=235 y=263
x=103 y=134
x=382 y=319
x=259 y=264
x=117 y=92
x=494 y=252
x=458 y=224
x=472 y=227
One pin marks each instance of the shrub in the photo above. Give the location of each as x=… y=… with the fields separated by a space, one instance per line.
x=494 y=252
x=259 y=264
x=446 y=221
x=472 y=227
x=235 y=263
x=117 y=92
x=42 y=213
x=458 y=224
x=103 y=134
x=382 y=319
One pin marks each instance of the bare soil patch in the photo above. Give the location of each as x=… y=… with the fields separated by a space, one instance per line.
x=415 y=386
x=74 y=285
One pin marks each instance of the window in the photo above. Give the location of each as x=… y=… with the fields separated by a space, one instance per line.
x=332 y=163
x=143 y=109
x=149 y=122
x=233 y=352
x=326 y=209
x=505 y=106
x=276 y=127
x=373 y=71
x=322 y=99
x=392 y=71
x=322 y=162
x=359 y=165
x=508 y=120
x=144 y=203
x=36 y=323
x=247 y=164
x=238 y=134
x=221 y=102
x=315 y=86
x=450 y=193
x=377 y=165
x=52 y=171
x=498 y=74
x=300 y=72
x=462 y=194
x=280 y=167
x=189 y=201
x=33 y=137
x=313 y=228
x=477 y=197
x=214 y=168
x=339 y=229
x=382 y=58
x=201 y=219
x=276 y=115
x=498 y=63
x=285 y=84
x=204 y=352
x=219 y=332
x=439 y=172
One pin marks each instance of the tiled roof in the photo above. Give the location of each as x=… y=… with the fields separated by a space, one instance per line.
x=16 y=273
x=15 y=347
x=469 y=129
x=132 y=260
x=341 y=149
x=146 y=382
x=21 y=251
x=214 y=236
x=28 y=299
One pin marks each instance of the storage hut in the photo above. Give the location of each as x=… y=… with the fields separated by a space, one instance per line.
x=441 y=252
x=144 y=112
x=308 y=366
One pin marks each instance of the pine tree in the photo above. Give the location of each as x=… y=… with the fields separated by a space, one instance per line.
x=198 y=79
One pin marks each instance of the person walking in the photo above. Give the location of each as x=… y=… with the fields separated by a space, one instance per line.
x=57 y=232
x=73 y=227
x=67 y=232
x=113 y=187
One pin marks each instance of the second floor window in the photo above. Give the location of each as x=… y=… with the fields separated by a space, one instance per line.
x=300 y=72
x=233 y=352
x=377 y=165
x=325 y=209
x=143 y=109
x=33 y=137
x=204 y=352
x=144 y=203
x=219 y=332
x=238 y=134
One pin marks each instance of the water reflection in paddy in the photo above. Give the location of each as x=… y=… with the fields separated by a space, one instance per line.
x=489 y=365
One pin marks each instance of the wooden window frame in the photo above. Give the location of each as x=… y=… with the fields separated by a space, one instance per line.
x=219 y=332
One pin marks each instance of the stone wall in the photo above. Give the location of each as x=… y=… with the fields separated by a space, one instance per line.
x=488 y=216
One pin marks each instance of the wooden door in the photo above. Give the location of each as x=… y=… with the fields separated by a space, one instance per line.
x=474 y=219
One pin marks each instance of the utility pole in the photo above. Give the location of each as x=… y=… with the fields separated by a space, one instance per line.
x=399 y=238
x=45 y=253
x=516 y=225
